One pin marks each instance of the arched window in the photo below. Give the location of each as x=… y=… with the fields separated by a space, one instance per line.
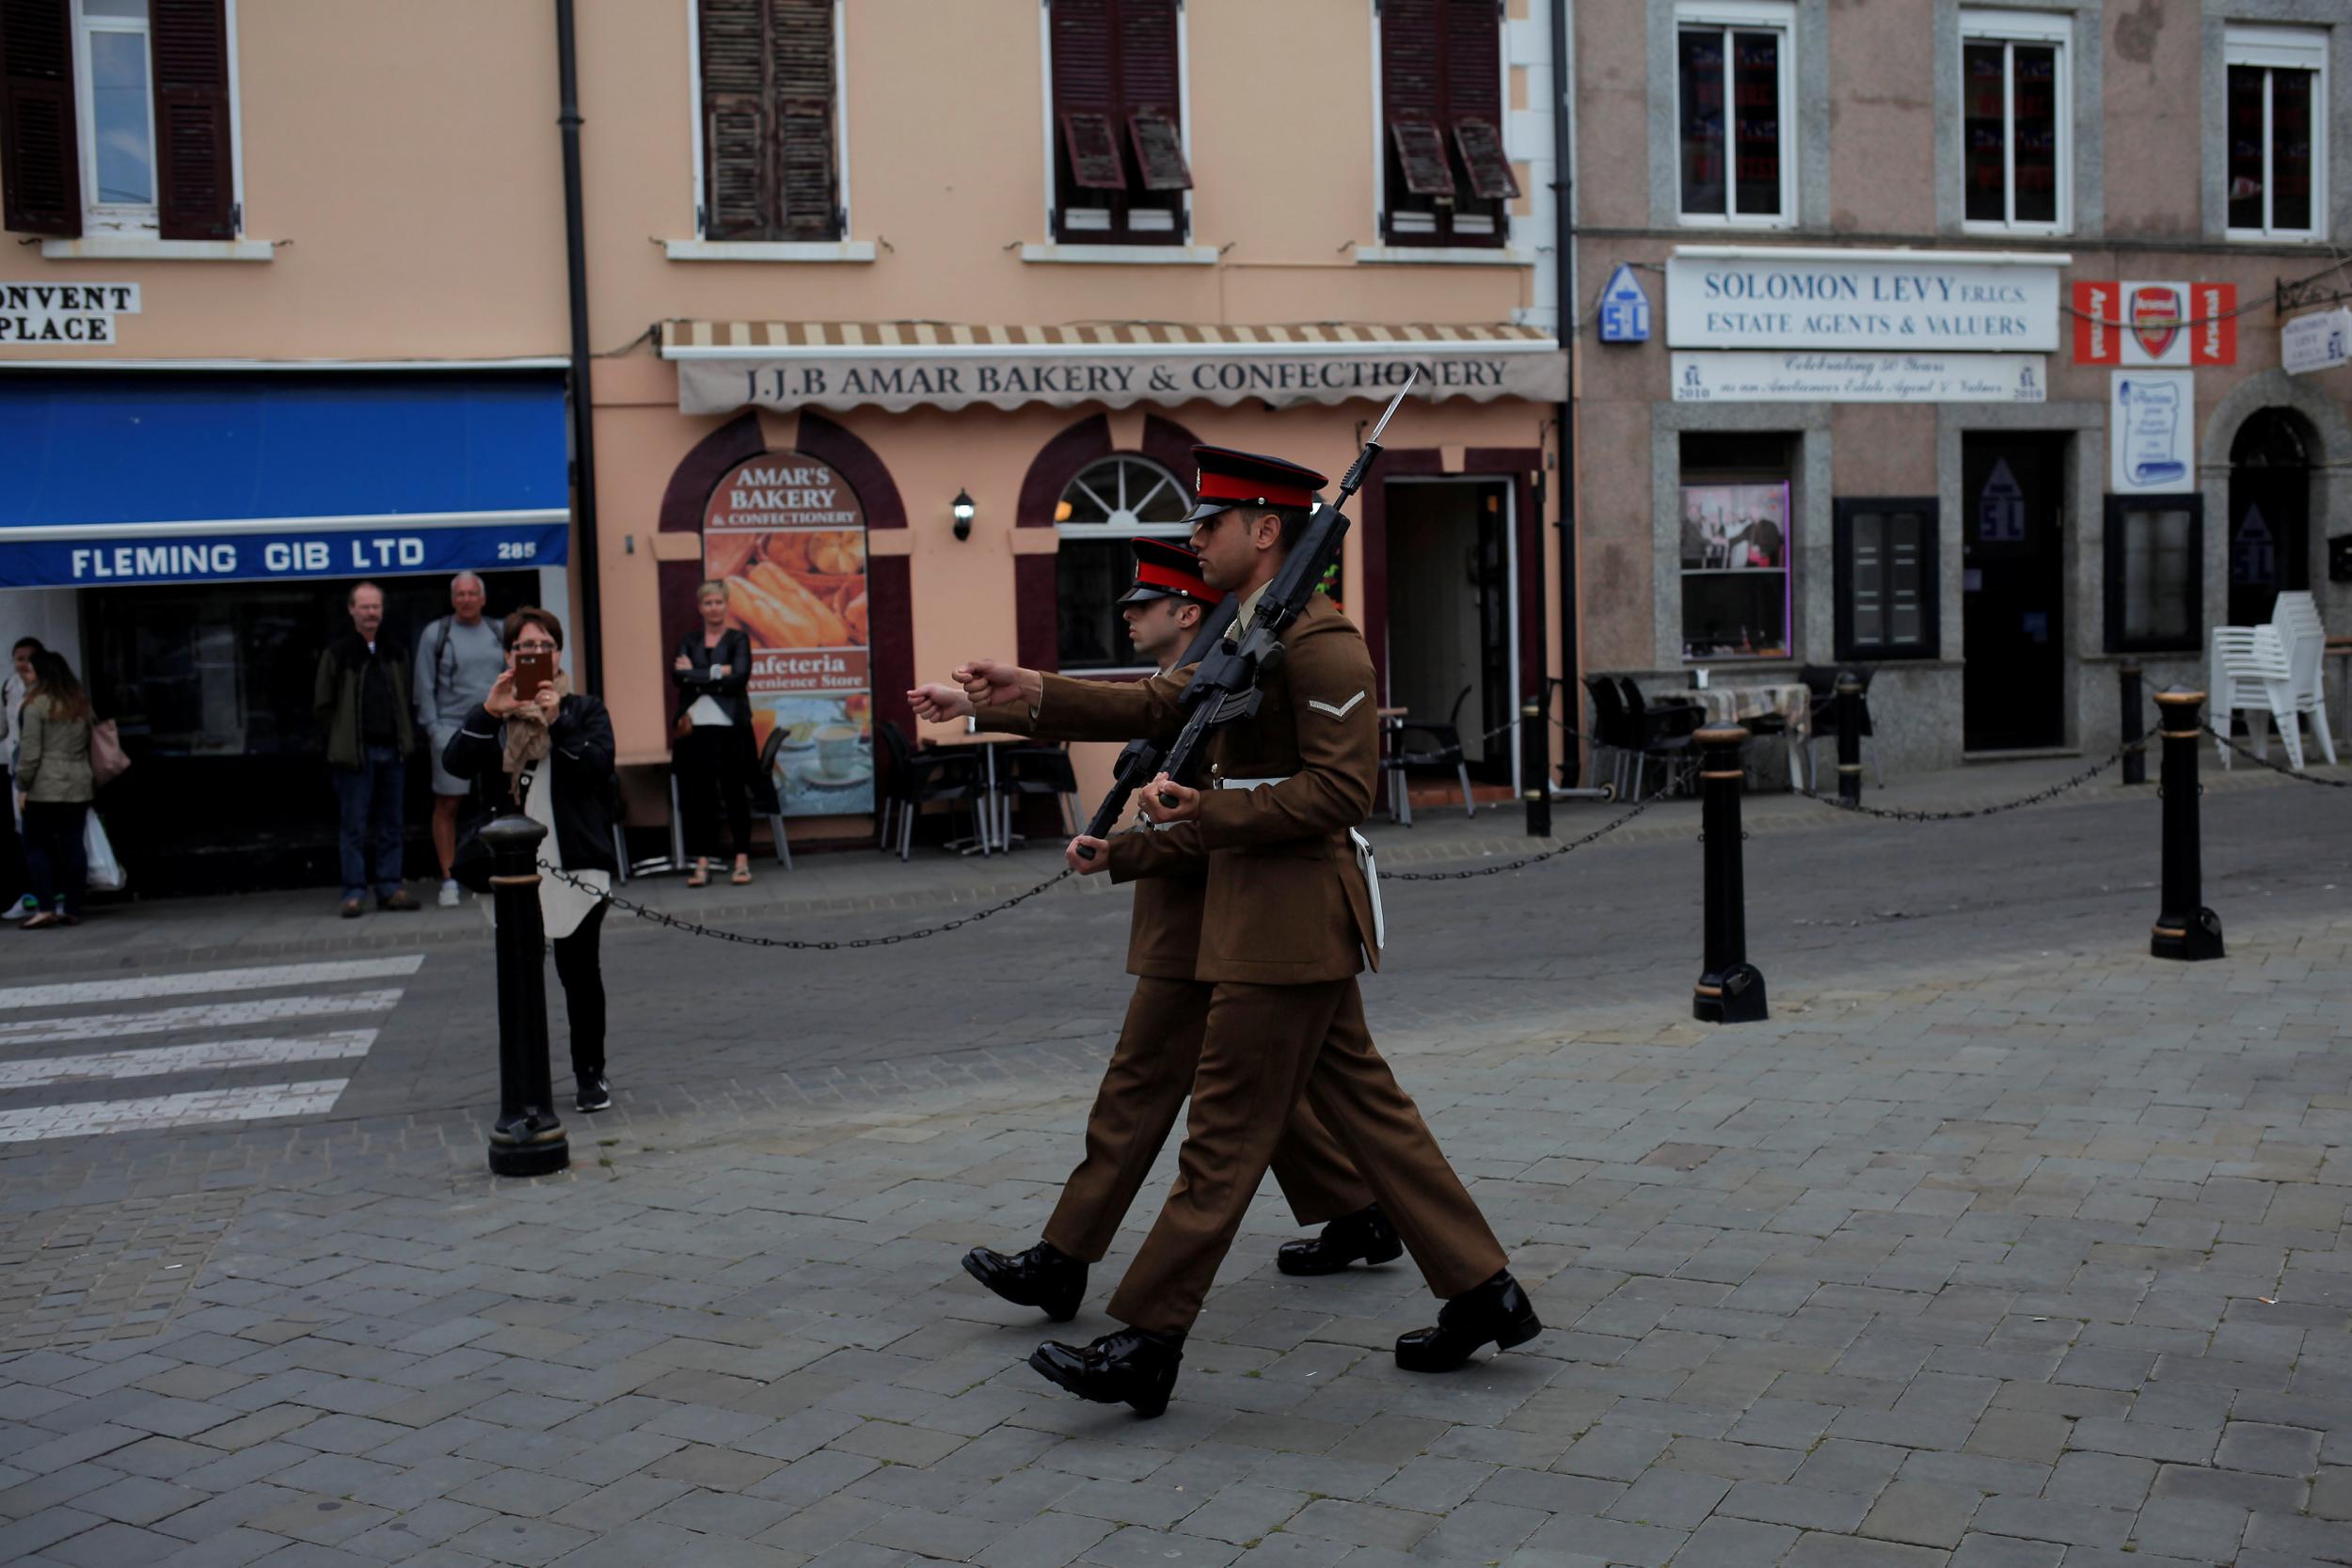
x=1112 y=501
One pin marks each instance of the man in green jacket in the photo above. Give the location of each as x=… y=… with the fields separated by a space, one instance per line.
x=362 y=702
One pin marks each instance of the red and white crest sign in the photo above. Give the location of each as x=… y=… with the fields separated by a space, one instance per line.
x=2154 y=324
x=2156 y=316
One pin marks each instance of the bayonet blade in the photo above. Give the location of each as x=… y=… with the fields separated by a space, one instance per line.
x=1395 y=403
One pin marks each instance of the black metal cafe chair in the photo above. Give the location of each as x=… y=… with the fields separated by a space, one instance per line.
x=951 y=773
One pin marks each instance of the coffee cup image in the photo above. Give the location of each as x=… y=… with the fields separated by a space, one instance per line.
x=838 y=747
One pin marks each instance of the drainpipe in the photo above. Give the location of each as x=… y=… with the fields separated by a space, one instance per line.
x=1563 y=276
x=591 y=665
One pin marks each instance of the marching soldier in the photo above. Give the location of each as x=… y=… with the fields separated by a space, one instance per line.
x=1150 y=1070
x=1288 y=916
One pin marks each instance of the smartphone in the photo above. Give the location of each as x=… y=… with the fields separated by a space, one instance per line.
x=532 y=672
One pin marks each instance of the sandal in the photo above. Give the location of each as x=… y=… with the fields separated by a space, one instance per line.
x=41 y=922
x=700 y=876
x=742 y=876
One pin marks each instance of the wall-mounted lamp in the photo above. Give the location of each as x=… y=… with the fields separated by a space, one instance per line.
x=961 y=509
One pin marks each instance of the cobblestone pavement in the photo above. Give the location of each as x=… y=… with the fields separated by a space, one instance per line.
x=2000 y=1245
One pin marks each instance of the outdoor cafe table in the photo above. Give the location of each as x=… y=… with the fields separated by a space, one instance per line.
x=1735 y=704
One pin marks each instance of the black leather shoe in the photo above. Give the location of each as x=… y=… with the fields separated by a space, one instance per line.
x=1044 y=1277
x=1133 y=1367
x=1497 y=1312
x=1366 y=1234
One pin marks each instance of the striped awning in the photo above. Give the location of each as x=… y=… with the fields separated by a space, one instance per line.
x=725 y=365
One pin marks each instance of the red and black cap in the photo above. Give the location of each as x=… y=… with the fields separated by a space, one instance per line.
x=1167 y=570
x=1227 y=479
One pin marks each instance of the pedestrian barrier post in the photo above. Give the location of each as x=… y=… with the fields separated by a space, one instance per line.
x=2135 y=756
x=1536 y=769
x=2184 y=929
x=1849 y=738
x=528 y=1139
x=1730 y=990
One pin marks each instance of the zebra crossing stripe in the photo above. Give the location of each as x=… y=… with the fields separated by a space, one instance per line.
x=250 y=1103
x=211 y=1056
x=207 y=981
x=211 y=1015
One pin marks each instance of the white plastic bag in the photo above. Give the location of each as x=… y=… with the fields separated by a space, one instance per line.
x=105 y=872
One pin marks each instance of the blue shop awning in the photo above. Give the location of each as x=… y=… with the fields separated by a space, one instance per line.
x=180 y=477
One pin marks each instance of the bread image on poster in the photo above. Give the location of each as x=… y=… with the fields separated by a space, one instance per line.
x=786 y=535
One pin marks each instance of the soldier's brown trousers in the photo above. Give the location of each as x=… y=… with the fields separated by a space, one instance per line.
x=1265 y=1049
x=1151 y=1072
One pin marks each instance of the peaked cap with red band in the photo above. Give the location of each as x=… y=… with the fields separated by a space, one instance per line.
x=1228 y=479
x=1167 y=570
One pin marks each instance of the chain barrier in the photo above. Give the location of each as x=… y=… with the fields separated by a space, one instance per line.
x=1553 y=853
x=694 y=928
x=2275 y=767
x=1898 y=813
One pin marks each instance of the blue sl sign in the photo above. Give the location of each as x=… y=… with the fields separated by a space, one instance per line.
x=1623 y=308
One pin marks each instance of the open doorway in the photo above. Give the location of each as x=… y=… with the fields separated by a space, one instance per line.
x=2013 y=583
x=2270 y=513
x=1453 y=620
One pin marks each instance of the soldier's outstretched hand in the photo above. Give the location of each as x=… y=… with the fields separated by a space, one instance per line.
x=1160 y=792
x=939 y=704
x=1097 y=855
x=996 y=681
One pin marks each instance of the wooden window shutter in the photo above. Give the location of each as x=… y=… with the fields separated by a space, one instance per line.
x=1473 y=95
x=739 y=163
x=769 y=166
x=1150 y=93
x=1412 y=93
x=1085 y=92
x=195 y=185
x=40 y=150
x=800 y=45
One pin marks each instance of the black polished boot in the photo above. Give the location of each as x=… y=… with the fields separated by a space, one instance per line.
x=1366 y=1234
x=1044 y=1277
x=1133 y=1366
x=1497 y=1312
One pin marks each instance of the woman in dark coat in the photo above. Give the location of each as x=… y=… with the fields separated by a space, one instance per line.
x=715 y=757
x=551 y=757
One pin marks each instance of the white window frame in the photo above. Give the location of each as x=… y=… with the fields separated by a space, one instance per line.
x=1747 y=15
x=112 y=217
x=1117 y=533
x=702 y=247
x=2009 y=29
x=1186 y=253
x=2279 y=49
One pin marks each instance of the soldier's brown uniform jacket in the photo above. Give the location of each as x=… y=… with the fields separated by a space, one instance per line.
x=1284 y=903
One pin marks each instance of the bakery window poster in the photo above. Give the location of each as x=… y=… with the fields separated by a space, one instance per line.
x=786 y=536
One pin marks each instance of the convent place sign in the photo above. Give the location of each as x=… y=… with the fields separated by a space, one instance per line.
x=1756 y=296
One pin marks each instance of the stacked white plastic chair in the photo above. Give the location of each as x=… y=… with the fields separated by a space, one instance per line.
x=2296 y=618
x=2248 y=672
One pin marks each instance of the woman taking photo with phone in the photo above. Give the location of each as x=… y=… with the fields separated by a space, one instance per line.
x=716 y=760
x=54 y=789
x=536 y=746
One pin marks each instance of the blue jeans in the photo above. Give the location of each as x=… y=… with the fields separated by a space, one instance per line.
x=371 y=796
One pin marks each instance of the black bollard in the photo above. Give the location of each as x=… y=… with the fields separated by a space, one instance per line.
x=1730 y=989
x=1536 y=769
x=1849 y=738
x=2135 y=755
x=529 y=1138
x=2185 y=929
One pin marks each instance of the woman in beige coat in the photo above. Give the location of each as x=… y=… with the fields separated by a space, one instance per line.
x=54 y=786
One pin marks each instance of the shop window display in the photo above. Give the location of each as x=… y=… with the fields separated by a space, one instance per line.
x=1734 y=568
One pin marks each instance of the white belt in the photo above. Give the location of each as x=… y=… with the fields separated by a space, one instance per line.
x=1365 y=863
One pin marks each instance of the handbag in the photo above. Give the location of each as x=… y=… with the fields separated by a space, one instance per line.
x=107 y=757
x=470 y=864
x=105 y=872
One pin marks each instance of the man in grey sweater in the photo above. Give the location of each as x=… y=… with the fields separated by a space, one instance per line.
x=458 y=659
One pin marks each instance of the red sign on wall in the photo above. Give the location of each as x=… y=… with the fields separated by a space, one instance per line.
x=2154 y=324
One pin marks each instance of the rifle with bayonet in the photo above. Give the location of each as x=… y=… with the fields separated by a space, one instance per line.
x=1140 y=763
x=1224 y=685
